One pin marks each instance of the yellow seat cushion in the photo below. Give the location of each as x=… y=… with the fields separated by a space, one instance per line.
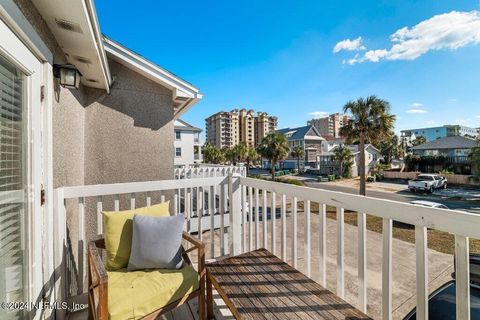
x=135 y=294
x=118 y=232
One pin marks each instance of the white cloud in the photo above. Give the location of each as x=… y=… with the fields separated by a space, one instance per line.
x=430 y=122
x=349 y=45
x=416 y=111
x=478 y=116
x=452 y=100
x=463 y=121
x=318 y=114
x=351 y=61
x=451 y=30
x=416 y=108
x=374 y=55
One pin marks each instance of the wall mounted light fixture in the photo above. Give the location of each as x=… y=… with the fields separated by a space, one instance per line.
x=68 y=74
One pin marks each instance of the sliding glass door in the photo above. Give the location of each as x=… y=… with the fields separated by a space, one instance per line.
x=13 y=186
x=21 y=216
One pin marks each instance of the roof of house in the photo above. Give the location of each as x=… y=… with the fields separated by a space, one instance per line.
x=353 y=148
x=455 y=142
x=184 y=94
x=183 y=125
x=300 y=132
x=75 y=26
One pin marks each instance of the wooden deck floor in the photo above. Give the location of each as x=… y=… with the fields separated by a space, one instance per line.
x=188 y=311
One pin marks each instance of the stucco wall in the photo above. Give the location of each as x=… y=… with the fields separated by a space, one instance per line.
x=129 y=133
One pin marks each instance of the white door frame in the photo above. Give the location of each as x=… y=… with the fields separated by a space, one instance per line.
x=14 y=49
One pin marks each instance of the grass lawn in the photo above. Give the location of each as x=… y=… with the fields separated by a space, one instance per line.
x=437 y=240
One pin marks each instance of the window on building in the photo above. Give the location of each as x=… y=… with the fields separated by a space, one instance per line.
x=178 y=152
x=178 y=135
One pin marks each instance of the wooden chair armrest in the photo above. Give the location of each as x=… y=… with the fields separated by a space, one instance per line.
x=97 y=283
x=96 y=264
x=193 y=240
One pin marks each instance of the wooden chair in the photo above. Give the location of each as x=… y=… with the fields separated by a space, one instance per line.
x=98 y=281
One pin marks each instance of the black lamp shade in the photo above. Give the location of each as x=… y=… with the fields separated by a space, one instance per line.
x=69 y=75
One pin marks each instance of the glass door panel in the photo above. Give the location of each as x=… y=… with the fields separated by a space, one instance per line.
x=13 y=186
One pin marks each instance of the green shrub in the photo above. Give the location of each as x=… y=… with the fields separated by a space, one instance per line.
x=291 y=181
x=446 y=171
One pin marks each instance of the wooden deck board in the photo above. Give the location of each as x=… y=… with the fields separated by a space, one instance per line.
x=261 y=286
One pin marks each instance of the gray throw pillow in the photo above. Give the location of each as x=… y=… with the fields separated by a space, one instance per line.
x=156 y=242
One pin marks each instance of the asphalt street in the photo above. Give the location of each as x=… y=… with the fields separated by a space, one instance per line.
x=403 y=196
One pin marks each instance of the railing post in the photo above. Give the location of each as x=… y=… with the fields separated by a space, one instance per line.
x=235 y=215
x=462 y=277
x=421 y=272
x=60 y=212
x=387 y=270
x=362 y=261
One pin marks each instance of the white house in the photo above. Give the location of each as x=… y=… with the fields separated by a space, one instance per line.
x=327 y=164
x=187 y=144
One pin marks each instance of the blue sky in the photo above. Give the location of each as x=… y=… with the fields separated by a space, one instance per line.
x=293 y=59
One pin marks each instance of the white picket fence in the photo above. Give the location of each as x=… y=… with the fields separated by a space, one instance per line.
x=215 y=203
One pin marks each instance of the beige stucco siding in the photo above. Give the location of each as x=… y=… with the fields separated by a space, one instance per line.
x=69 y=138
x=129 y=133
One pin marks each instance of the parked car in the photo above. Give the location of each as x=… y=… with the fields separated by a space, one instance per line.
x=428 y=183
x=429 y=204
x=442 y=302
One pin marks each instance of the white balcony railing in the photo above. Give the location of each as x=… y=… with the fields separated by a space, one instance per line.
x=209 y=170
x=245 y=202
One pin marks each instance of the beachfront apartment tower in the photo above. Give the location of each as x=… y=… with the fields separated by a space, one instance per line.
x=264 y=124
x=222 y=129
x=330 y=126
x=226 y=129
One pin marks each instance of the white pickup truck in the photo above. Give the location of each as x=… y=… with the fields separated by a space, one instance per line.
x=427 y=182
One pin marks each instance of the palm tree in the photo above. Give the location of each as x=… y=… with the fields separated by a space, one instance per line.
x=343 y=155
x=230 y=155
x=274 y=147
x=211 y=154
x=474 y=158
x=207 y=151
x=419 y=140
x=370 y=122
x=240 y=151
x=390 y=148
x=252 y=156
x=298 y=152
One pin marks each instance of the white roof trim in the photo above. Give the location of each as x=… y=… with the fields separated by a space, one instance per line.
x=97 y=36
x=186 y=126
x=180 y=87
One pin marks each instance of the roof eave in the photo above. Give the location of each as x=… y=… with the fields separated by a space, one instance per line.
x=184 y=94
x=92 y=15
